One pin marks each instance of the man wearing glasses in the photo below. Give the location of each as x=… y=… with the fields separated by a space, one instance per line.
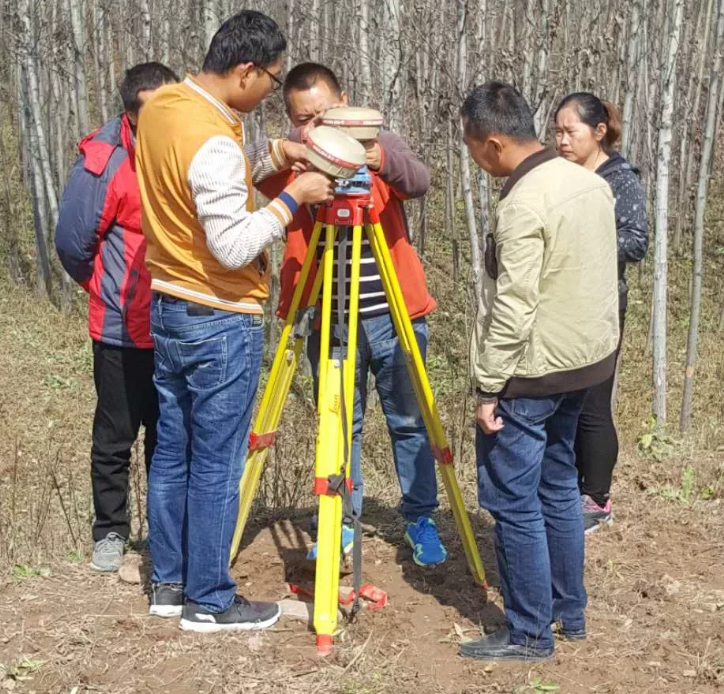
x=209 y=277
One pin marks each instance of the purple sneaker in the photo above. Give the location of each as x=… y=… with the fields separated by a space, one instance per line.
x=594 y=515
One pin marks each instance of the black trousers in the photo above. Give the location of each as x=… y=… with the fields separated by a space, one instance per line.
x=597 y=440
x=126 y=399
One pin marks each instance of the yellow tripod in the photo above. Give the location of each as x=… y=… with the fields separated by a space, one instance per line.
x=335 y=401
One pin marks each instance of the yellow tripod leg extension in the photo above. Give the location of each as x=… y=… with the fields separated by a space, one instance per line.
x=282 y=372
x=423 y=391
x=334 y=440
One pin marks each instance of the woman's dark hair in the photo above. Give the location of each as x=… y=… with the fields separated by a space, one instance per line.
x=247 y=37
x=142 y=78
x=592 y=111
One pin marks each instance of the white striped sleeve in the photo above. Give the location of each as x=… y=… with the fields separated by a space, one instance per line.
x=266 y=157
x=217 y=179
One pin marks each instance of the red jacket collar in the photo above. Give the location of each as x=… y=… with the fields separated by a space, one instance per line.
x=128 y=139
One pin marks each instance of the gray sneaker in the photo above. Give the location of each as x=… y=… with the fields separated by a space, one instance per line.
x=108 y=553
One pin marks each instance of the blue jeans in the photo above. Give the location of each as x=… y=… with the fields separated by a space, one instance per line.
x=528 y=481
x=378 y=350
x=207 y=372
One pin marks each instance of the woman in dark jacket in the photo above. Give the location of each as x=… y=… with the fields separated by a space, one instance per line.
x=586 y=131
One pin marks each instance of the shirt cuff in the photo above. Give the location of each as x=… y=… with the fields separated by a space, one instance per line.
x=279 y=208
x=484 y=398
x=289 y=201
x=278 y=157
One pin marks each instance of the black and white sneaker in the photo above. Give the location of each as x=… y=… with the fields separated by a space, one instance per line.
x=241 y=616
x=167 y=599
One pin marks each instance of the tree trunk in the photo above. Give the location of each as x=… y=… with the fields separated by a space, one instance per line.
x=34 y=176
x=712 y=108
x=688 y=151
x=100 y=59
x=111 y=54
x=541 y=85
x=364 y=51
x=632 y=68
x=476 y=265
x=290 y=35
x=211 y=22
x=528 y=50
x=391 y=66
x=75 y=11
x=314 y=39
x=146 y=46
x=9 y=214
x=450 y=203
x=662 y=215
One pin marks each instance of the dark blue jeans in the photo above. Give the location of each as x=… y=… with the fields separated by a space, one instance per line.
x=207 y=372
x=378 y=350
x=528 y=481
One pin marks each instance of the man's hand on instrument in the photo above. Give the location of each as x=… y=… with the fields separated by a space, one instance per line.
x=296 y=154
x=311 y=188
x=374 y=154
x=485 y=416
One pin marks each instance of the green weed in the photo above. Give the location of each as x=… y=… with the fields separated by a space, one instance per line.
x=23 y=670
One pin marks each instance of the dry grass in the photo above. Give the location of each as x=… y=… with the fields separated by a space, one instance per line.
x=656 y=580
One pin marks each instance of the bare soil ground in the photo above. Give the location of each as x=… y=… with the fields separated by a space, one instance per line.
x=656 y=590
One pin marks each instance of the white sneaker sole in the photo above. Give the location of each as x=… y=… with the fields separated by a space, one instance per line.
x=211 y=627
x=166 y=611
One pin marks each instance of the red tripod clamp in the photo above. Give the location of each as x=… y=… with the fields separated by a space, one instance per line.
x=346 y=210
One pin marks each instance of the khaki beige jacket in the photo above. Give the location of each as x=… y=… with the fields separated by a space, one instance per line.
x=548 y=322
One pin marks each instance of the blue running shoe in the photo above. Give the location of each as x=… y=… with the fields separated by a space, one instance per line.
x=347 y=543
x=427 y=548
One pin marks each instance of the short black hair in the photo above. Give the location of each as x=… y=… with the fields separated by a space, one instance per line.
x=498 y=108
x=247 y=37
x=142 y=78
x=305 y=75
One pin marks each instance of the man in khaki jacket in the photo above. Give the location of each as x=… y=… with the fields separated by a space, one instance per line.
x=547 y=331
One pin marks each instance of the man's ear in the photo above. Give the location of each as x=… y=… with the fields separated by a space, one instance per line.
x=497 y=144
x=344 y=99
x=242 y=72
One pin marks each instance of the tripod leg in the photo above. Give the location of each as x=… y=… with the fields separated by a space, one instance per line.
x=423 y=391
x=275 y=394
x=334 y=444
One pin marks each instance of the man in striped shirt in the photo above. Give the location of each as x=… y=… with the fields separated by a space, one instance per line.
x=397 y=174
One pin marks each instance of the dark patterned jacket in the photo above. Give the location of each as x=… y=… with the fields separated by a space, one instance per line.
x=631 y=222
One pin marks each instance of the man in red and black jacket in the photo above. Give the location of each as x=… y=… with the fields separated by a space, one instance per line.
x=101 y=246
x=397 y=174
